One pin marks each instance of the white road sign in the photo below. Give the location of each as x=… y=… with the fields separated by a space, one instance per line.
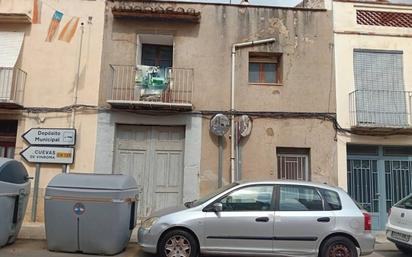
x=50 y=136
x=48 y=154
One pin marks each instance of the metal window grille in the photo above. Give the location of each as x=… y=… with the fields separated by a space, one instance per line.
x=293 y=166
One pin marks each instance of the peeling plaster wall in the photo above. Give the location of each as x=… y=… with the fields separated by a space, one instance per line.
x=305 y=39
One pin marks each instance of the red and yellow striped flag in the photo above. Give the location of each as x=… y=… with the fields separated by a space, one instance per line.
x=69 y=30
x=36 y=12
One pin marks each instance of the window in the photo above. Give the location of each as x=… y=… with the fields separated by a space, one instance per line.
x=265 y=68
x=253 y=198
x=299 y=198
x=293 y=163
x=157 y=55
x=380 y=97
x=8 y=131
x=331 y=199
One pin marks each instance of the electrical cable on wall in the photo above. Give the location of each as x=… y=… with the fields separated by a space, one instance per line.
x=207 y=114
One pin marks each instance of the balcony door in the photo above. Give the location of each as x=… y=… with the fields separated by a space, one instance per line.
x=157 y=55
x=381 y=99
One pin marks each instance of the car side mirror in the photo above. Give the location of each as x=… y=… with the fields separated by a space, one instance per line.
x=217 y=207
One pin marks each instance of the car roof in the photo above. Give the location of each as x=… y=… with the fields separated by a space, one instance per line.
x=289 y=182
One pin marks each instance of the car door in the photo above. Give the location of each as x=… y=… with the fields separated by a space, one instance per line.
x=300 y=220
x=245 y=224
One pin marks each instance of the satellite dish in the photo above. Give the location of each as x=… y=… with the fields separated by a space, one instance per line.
x=245 y=125
x=219 y=124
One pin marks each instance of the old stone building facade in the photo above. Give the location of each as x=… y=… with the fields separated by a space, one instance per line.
x=163 y=138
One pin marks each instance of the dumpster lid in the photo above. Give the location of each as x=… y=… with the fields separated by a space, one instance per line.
x=13 y=171
x=93 y=181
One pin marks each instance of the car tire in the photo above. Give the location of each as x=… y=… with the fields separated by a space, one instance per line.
x=404 y=249
x=178 y=243
x=338 y=246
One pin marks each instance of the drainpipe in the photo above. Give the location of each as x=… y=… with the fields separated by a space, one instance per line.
x=232 y=99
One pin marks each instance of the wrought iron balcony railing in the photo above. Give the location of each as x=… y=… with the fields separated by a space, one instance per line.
x=380 y=109
x=143 y=85
x=12 y=83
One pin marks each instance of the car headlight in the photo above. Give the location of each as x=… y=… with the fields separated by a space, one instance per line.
x=148 y=223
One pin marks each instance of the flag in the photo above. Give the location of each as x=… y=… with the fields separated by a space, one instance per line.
x=36 y=12
x=54 y=24
x=69 y=29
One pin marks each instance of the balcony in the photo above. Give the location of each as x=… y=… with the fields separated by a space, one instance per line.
x=380 y=110
x=12 y=83
x=151 y=87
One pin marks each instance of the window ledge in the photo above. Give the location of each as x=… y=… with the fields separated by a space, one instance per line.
x=265 y=84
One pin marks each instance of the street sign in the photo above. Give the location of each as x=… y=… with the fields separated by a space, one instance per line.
x=50 y=136
x=48 y=154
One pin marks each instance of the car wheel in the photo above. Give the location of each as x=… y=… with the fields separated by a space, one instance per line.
x=404 y=249
x=338 y=246
x=178 y=243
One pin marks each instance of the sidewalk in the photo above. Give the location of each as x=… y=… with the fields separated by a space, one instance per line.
x=32 y=243
x=38 y=248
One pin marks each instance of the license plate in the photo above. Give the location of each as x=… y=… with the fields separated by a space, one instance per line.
x=400 y=236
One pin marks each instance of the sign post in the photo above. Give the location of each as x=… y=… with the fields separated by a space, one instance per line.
x=48 y=146
x=35 y=193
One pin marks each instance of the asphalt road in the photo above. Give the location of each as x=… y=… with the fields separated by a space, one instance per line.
x=37 y=248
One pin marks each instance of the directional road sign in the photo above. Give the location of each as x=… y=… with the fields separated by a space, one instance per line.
x=48 y=154
x=50 y=136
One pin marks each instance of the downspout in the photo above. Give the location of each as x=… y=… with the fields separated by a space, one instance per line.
x=232 y=100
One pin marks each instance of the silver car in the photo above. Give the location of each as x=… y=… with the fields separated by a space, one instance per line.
x=271 y=218
x=399 y=227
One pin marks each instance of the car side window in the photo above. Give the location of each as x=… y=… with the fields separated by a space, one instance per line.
x=251 y=198
x=331 y=199
x=405 y=203
x=299 y=198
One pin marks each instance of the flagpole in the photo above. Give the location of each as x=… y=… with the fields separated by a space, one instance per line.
x=76 y=86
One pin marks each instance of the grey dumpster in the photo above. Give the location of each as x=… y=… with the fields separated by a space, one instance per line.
x=14 y=192
x=90 y=213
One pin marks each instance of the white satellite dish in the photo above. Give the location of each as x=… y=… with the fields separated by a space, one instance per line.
x=245 y=125
x=219 y=124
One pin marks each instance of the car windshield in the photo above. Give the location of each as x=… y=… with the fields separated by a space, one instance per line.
x=405 y=203
x=210 y=196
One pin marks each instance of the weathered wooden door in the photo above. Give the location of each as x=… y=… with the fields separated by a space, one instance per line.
x=153 y=155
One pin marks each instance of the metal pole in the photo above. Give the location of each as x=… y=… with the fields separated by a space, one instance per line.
x=220 y=163
x=237 y=152
x=35 y=193
x=64 y=168
x=232 y=117
x=76 y=86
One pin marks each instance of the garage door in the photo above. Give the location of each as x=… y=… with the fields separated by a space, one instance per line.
x=153 y=155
